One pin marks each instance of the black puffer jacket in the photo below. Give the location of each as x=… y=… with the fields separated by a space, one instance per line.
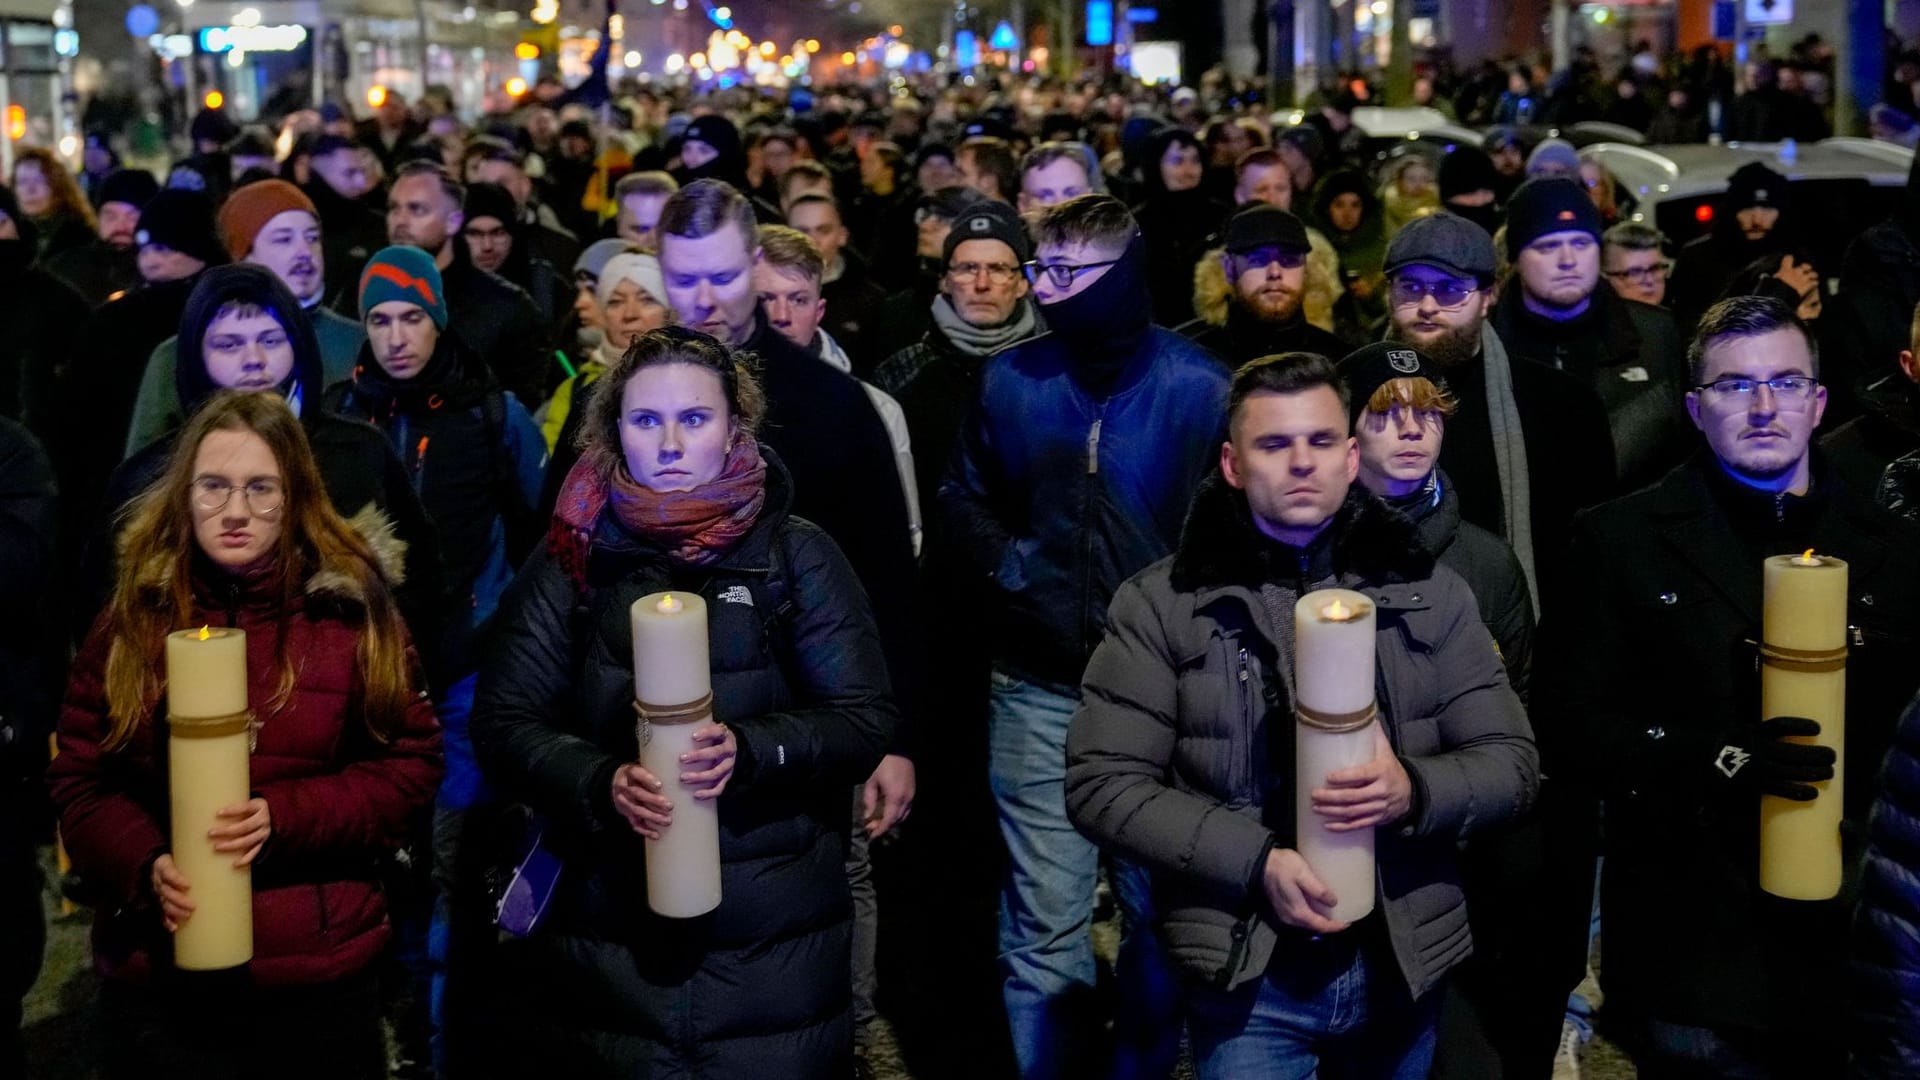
x=760 y=988
x=1886 y=942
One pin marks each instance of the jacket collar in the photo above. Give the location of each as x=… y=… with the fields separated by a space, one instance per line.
x=1221 y=548
x=1607 y=317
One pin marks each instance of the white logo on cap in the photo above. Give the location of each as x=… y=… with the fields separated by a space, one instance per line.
x=980 y=224
x=1405 y=361
x=1761 y=194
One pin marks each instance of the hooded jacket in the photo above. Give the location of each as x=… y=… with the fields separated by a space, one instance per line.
x=341 y=802
x=360 y=471
x=1177 y=225
x=760 y=988
x=1181 y=755
x=552 y=294
x=41 y=313
x=1142 y=407
x=1707 y=265
x=1363 y=254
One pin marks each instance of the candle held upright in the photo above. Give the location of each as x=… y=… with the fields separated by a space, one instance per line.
x=1803 y=672
x=1333 y=687
x=209 y=765
x=673 y=693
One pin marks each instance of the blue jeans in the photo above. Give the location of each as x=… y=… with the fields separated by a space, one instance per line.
x=1146 y=1033
x=1315 y=1003
x=1046 y=901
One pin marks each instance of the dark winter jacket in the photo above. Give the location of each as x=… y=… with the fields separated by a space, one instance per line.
x=476 y=459
x=97 y=270
x=351 y=230
x=1181 y=755
x=1652 y=668
x=1886 y=944
x=1632 y=355
x=1060 y=495
x=32 y=661
x=1877 y=454
x=60 y=233
x=1245 y=337
x=1569 y=457
x=1177 y=226
x=1488 y=566
x=340 y=801
x=1708 y=264
x=761 y=987
x=1871 y=317
x=41 y=314
x=853 y=304
x=501 y=323
x=832 y=441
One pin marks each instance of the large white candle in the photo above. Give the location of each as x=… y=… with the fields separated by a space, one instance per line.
x=673 y=686
x=1803 y=672
x=1333 y=682
x=208 y=768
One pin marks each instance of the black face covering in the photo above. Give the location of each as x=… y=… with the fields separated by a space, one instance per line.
x=1487 y=217
x=1103 y=325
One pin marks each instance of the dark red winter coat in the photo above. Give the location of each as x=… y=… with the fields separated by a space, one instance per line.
x=339 y=801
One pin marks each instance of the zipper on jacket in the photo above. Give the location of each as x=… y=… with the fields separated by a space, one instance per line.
x=1093 y=448
x=1253 y=717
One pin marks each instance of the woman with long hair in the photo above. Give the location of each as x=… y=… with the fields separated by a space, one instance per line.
x=673 y=492
x=238 y=532
x=52 y=198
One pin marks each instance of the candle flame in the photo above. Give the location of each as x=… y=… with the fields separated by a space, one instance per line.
x=205 y=633
x=1336 y=611
x=1807 y=556
x=667 y=605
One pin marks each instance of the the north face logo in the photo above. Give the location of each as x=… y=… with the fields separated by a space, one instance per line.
x=736 y=594
x=1404 y=361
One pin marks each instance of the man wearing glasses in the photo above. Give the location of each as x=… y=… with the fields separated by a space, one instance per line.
x=1654 y=672
x=1072 y=474
x=1634 y=261
x=1529 y=446
x=1554 y=311
x=1265 y=260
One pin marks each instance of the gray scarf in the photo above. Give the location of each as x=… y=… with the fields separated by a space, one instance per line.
x=984 y=341
x=1510 y=455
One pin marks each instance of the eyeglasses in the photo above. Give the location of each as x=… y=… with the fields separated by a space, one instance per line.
x=1261 y=258
x=263 y=497
x=1642 y=275
x=1448 y=294
x=997 y=273
x=1791 y=391
x=1062 y=274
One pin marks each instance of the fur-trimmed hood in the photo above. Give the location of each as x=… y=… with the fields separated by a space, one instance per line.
x=337 y=585
x=1221 y=547
x=1212 y=293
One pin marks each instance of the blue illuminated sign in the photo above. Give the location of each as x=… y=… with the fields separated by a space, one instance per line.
x=1099 y=22
x=1143 y=15
x=966 y=49
x=1003 y=38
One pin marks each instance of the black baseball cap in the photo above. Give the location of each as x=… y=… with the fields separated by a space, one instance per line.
x=1261 y=225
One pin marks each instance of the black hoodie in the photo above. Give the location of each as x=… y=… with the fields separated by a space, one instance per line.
x=1177 y=226
x=40 y=312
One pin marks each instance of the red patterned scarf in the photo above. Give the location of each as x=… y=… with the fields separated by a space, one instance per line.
x=697 y=527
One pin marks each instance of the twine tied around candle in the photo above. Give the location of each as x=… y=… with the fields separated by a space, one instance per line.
x=1336 y=723
x=1803 y=659
x=651 y=714
x=213 y=727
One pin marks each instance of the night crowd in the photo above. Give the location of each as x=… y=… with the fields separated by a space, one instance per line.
x=1001 y=428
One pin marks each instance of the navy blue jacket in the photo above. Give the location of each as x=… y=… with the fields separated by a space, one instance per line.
x=1886 y=949
x=1058 y=496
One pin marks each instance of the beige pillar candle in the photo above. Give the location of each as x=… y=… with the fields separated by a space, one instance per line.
x=1333 y=686
x=1803 y=672
x=672 y=684
x=209 y=763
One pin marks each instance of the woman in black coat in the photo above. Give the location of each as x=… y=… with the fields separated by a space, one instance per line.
x=672 y=492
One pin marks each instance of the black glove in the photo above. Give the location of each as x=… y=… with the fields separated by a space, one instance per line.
x=1760 y=758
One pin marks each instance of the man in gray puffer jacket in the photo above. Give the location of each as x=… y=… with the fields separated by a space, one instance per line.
x=1181 y=755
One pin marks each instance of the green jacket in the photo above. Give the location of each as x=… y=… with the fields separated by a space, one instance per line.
x=157 y=410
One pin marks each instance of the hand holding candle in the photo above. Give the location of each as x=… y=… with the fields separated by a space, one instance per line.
x=685 y=758
x=216 y=828
x=1803 y=674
